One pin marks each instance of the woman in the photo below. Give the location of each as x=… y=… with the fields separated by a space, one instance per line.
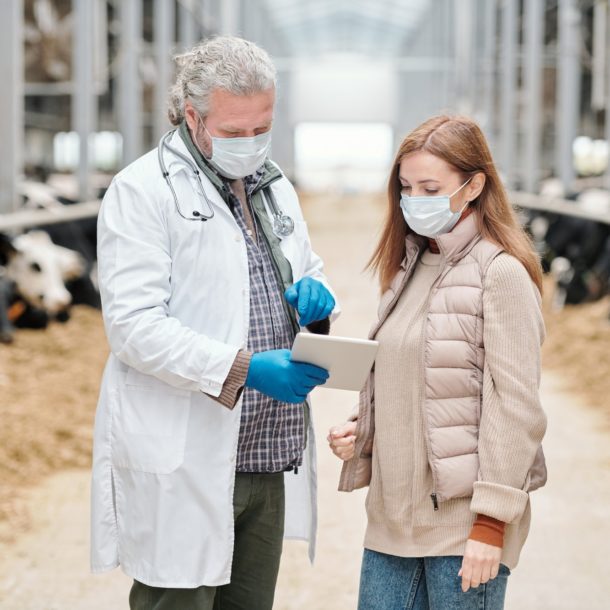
x=449 y=424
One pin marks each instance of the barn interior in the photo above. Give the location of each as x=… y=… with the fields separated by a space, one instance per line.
x=85 y=94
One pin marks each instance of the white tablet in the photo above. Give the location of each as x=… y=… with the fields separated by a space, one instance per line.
x=348 y=361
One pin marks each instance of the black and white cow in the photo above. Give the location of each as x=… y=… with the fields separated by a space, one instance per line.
x=79 y=235
x=35 y=272
x=576 y=251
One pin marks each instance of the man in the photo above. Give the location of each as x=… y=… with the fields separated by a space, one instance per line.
x=206 y=273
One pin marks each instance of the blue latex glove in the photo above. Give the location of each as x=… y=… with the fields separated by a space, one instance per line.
x=274 y=374
x=311 y=299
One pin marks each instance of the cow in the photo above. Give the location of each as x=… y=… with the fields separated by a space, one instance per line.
x=6 y=292
x=35 y=273
x=79 y=235
x=576 y=251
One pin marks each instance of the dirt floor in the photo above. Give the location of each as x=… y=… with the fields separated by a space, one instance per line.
x=48 y=389
x=578 y=348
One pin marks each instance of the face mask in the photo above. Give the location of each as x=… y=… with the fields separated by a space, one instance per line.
x=431 y=216
x=239 y=157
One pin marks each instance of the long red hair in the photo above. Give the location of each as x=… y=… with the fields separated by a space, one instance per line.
x=460 y=142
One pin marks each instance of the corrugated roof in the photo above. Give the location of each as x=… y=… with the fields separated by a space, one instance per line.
x=313 y=27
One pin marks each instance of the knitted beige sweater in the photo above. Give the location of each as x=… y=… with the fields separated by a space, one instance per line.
x=400 y=517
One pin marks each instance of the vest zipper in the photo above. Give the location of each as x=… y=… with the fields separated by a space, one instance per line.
x=433 y=495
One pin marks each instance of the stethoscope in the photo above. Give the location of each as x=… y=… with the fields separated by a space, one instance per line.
x=283 y=225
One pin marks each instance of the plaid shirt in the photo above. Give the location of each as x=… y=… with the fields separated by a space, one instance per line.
x=272 y=433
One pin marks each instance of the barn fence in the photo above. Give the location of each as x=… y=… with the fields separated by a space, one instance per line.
x=24 y=219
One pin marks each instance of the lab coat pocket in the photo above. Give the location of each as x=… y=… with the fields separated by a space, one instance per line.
x=149 y=424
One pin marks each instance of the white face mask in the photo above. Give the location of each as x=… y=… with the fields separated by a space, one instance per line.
x=239 y=157
x=431 y=216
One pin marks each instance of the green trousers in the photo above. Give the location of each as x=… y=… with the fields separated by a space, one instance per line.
x=258 y=507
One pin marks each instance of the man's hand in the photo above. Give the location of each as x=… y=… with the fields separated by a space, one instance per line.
x=481 y=563
x=274 y=374
x=311 y=299
x=341 y=440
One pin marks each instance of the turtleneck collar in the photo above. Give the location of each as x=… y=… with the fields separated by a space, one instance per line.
x=453 y=246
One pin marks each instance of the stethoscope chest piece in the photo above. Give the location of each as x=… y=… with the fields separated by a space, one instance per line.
x=283 y=225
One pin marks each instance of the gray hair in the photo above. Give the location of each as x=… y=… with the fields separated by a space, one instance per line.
x=225 y=62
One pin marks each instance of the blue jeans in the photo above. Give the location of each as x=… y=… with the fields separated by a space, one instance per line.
x=388 y=582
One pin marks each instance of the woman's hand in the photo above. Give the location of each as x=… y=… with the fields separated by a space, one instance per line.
x=481 y=563
x=341 y=440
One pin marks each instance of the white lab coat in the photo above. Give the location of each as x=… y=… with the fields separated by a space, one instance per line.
x=175 y=297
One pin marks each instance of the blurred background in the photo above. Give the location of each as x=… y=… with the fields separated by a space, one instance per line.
x=84 y=92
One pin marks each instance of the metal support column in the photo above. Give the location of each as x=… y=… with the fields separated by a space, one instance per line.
x=83 y=92
x=282 y=148
x=600 y=51
x=568 y=90
x=607 y=112
x=444 y=10
x=187 y=24
x=534 y=42
x=229 y=17
x=11 y=117
x=211 y=8
x=465 y=34
x=210 y=16
x=130 y=92
x=164 y=16
x=489 y=70
x=508 y=130
x=255 y=21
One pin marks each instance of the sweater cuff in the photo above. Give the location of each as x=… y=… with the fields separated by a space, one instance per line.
x=488 y=530
x=235 y=381
x=321 y=327
x=501 y=502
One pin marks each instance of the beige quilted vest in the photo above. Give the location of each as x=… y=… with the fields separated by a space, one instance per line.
x=454 y=359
